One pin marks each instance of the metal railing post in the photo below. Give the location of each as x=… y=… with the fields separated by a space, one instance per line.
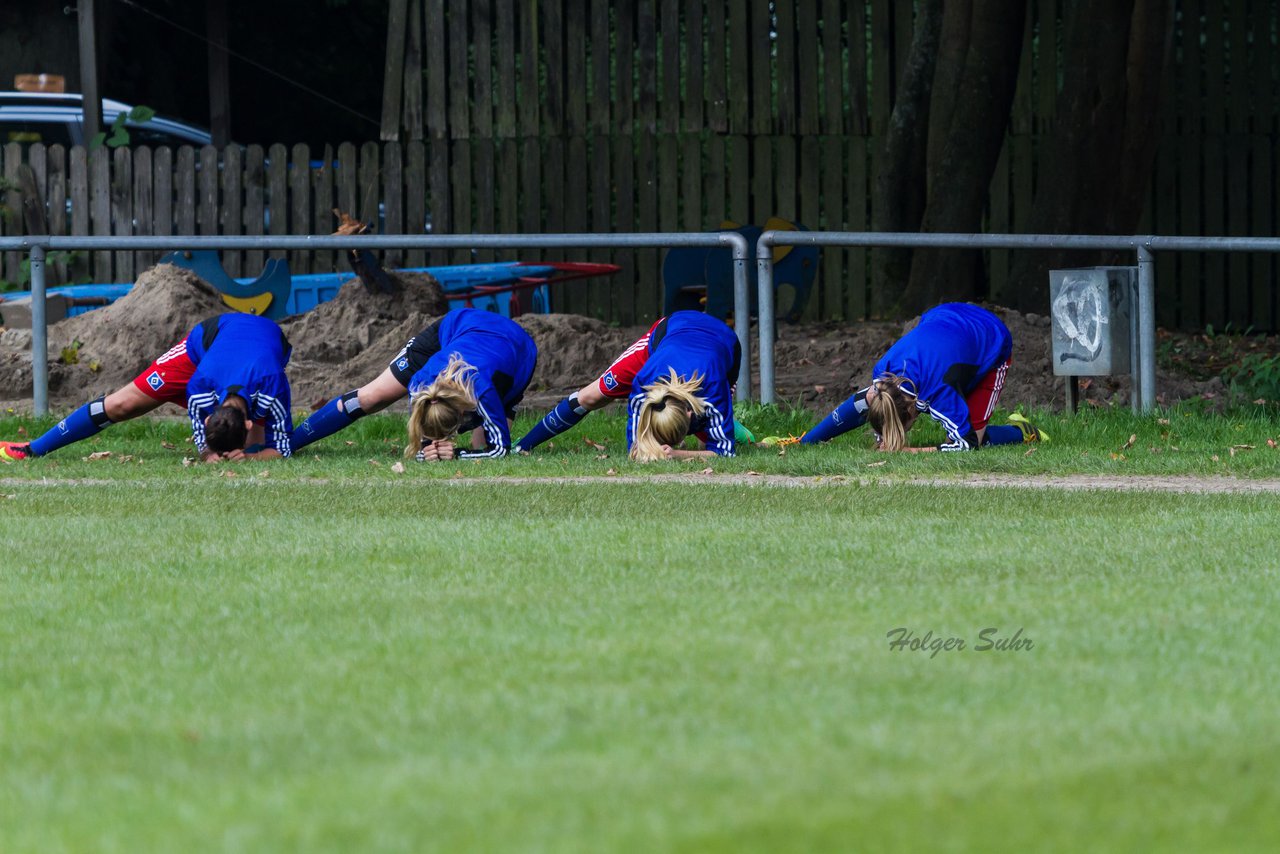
x=39 y=335
x=742 y=310
x=1146 y=330
x=764 y=285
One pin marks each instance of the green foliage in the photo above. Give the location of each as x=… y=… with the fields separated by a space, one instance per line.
x=57 y=256
x=71 y=354
x=1244 y=360
x=1255 y=377
x=119 y=133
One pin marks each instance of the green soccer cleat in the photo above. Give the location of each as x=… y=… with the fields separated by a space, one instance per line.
x=1029 y=431
x=742 y=434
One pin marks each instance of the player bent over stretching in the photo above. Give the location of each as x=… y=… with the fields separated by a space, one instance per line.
x=228 y=372
x=466 y=371
x=679 y=377
x=952 y=365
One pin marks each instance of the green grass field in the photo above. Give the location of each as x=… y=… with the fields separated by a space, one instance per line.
x=334 y=656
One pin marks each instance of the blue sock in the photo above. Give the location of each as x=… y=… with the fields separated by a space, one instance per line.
x=1004 y=435
x=566 y=414
x=327 y=420
x=848 y=415
x=86 y=421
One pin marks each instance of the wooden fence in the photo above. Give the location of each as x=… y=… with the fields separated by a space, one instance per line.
x=665 y=115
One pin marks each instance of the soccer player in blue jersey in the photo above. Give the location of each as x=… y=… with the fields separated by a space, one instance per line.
x=952 y=366
x=228 y=373
x=678 y=377
x=466 y=371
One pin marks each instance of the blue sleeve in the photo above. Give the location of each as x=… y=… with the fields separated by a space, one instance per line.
x=493 y=418
x=719 y=430
x=194 y=344
x=273 y=403
x=845 y=417
x=633 y=417
x=949 y=409
x=196 y=406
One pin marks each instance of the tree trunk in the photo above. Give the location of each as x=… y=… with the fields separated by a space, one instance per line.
x=219 y=73
x=977 y=71
x=897 y=204
x=1095 y=166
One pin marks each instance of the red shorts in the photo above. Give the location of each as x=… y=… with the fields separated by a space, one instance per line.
x=616 y=382
x=982 y=400
x=166 y=378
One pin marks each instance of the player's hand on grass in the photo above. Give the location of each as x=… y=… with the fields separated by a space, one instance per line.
x=440 y=449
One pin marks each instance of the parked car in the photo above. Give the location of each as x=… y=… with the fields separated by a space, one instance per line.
x=56 y=118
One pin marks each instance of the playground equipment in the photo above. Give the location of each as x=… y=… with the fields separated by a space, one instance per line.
x=701 y=278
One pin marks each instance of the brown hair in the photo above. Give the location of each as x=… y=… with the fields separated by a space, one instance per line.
x=891 y=411
x=439 y=409
x=665 y=415
x=224 y=430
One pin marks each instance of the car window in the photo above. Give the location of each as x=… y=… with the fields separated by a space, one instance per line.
x=29 y=132
x=143 y=135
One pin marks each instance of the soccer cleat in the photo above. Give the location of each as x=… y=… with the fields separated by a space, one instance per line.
x=742 y=434
x=10 y=451
x=784 y=441
x=1029 y=431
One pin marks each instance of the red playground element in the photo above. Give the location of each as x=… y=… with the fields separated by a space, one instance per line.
x=561 y=271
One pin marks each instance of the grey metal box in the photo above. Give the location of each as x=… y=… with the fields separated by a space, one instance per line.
x=1092 y=320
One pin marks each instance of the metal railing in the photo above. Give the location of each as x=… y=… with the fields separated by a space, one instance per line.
x=39 y=245
x=1144 y=247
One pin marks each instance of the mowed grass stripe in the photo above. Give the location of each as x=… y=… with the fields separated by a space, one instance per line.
x=219 y=664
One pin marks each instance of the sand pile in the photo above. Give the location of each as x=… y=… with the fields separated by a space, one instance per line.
x=116 y=342
x=571 y=351
x=337 y=330
x=349 y=340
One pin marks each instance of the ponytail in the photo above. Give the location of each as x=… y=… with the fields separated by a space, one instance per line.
x=889 y=411
x=439 y=409
x=664 y=415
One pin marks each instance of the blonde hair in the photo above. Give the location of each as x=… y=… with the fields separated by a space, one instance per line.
x=890 y=411
x=665 y=415
x=439 y=409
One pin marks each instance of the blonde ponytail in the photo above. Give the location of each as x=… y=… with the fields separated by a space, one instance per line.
x=439 y=409
x=891 y=410
x=664 y=415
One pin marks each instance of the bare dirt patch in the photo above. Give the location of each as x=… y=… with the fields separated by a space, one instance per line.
x=347 y=341
x=821 y=364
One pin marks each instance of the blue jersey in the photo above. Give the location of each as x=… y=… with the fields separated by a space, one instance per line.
x=694 y=343
x=244 y=355
x=951 y=349
x=945 y=357
x=503 y=356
